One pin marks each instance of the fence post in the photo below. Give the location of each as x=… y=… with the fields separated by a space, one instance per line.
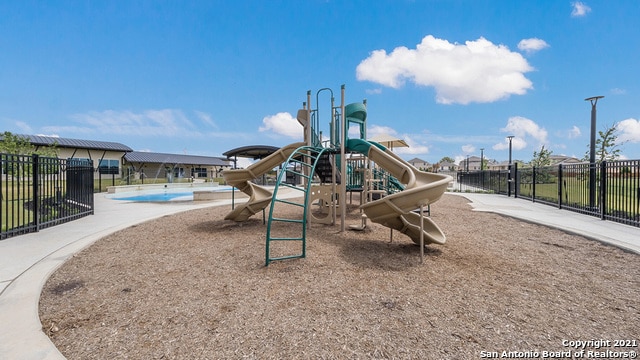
x=603 y=189
x=509 y=181
x=559 y=186
x=515 y=181
x=533 y=183
x=35 y=175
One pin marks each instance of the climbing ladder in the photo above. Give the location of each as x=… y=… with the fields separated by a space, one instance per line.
x=305 y=160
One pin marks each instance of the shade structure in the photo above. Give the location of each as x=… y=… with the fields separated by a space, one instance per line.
x=389 y=141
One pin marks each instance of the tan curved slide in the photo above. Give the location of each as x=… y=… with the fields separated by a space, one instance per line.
x=259 y=197
x=396 y=210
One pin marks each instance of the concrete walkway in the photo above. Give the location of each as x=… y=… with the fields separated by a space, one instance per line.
x=27 y=261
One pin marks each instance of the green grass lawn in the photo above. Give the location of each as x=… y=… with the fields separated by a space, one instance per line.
x=13 y=212
x=619 y=197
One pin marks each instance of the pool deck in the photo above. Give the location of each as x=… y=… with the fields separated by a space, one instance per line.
x=27 y=261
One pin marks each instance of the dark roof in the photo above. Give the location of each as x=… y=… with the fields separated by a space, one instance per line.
x=40 y=140
x=174 y=159
x=252 y=151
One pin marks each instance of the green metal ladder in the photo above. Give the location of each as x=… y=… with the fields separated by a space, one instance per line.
x=307 y=158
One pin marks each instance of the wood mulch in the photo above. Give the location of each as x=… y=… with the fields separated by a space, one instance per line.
x=194 y=286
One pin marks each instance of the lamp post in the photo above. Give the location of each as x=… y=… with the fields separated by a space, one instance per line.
x=592 y=152
x=510 y=137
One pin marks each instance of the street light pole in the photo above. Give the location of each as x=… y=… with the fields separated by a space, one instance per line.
x=509 y=180
x=482 y=167
x=592 y=153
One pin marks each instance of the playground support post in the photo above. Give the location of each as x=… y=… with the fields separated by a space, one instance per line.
x=421 y=233
x=308 y=127
x=343 y=162
x=308 y=134
x=334 y=202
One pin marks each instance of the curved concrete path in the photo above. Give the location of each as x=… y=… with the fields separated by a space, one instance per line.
x=27 y=261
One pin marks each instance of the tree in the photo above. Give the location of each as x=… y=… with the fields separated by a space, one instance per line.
x=542 y=158
x=20 y=145
x=13 y=145
x=606 y=145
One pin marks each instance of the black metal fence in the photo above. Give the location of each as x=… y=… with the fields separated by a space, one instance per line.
x=39 y=192
x=609 y=190
x=496 y=181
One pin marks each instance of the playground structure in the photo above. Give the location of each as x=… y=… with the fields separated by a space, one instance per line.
x=393 y=193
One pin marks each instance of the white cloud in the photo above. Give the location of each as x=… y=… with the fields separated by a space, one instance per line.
x=618 y=91
x=374 y=130
x=24 y=127
x=282 y=124
x=207 y=119
x=517 y=143
x=478 y=71
x=579 y=9
x=414 y=148
x=68 y=129
x=459 y=159
x=532 y=45
x=523 y=128
x=166 y=122
x=468 y=149
x=574 y=132
x=629 y=130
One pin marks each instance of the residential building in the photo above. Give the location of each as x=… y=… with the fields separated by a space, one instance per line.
x=420 y=164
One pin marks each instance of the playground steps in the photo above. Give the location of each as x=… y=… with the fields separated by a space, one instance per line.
x=324 y=169
x=290 y=230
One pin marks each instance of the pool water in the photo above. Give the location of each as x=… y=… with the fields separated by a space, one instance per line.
x=163 y=195
x=168 y=196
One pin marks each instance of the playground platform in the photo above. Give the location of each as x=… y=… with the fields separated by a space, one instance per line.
x=26 y=261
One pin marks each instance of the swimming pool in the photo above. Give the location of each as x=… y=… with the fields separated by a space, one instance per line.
x=165 y=195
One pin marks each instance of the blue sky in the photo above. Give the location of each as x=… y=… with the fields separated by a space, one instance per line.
x=204 y=77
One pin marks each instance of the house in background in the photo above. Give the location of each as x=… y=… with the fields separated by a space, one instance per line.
x=447 y=167
x=471 y=163
x=563 y=159
x=502 y=165
x=420 y=164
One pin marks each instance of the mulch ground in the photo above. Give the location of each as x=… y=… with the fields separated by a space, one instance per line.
x=194 y=286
